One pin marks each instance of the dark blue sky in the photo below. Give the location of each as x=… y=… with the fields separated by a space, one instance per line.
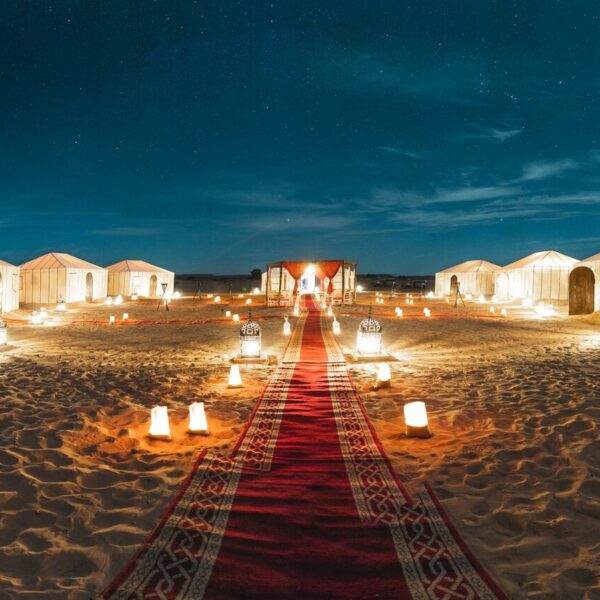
x=217 y=136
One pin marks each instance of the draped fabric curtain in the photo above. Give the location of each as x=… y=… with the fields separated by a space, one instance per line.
x=326 y=268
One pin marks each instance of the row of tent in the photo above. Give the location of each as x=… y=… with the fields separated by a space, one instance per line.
x=58 y=276
x=541 y=276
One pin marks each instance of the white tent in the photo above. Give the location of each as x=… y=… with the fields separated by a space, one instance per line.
x=9 y=286
x=129 y=277
x=473 y=276
x=58 y=276
x=539 y=276
x=584 y=286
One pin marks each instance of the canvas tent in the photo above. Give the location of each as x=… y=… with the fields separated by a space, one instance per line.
x=584 y=286
x=58 y=276
x=9 y=286
x=473 y=276
x=285 y=280
x=539 y=276
x=129 y=277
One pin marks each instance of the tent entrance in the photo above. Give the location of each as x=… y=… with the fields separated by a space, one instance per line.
x=153 y=285
x=89 y=287
x=308 y=281
x=453 y=284
x=581 y=291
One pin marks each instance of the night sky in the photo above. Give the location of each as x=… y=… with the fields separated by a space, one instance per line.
x=218 y=136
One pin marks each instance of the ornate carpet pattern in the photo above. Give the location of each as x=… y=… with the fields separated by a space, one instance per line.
x=306 y=507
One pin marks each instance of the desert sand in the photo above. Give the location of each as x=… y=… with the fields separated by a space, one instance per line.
x=512 y=401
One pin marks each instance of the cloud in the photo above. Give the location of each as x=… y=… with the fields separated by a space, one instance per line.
x=493 y=134
x=400 y=152
x=543 y=170
x=126 y=231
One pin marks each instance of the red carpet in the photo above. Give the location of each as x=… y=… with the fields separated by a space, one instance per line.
x=307 y=506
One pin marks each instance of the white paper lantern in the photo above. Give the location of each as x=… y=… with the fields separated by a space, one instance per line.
x=119 y=299
x=415 y=417
x=427 y=313
x=494 y=298
x=359 y=288
x=336 y=327
x=228 y=313
x=197 y=423
x=430 y=295
x=235 y=378
x=287 y=328
x=250 y=339
x=217 y=299
x=384 y=376
x=109 y=301
x=468 y=296
x=248 y=300
x=125 y=316
x=481 y=299
x=256 y=291
x=236 y=317
x=159 y=423
x=368 y=340
x=399 y=312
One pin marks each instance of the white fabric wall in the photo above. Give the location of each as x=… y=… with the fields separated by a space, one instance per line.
x=538 y=283
x=471 y=282
x=48 y=286
x=9 y=287
x=126 y=283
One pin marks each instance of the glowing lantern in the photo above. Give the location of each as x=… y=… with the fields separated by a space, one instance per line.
x=176 y=294
x=468 y=296
x=197 y=424
x=368 y=340
x=109 y=301
x=430 y=295
x=159 y=423
x=217 y=299
x=119 y=299
x=415 y=417
x=384 y=376
x=248 y=300
x=296 y=310
x=527 y=302
x=240 y=295
x=235 y=379
x=544 y=310
x=125 y=316
x=492 y=309
x=3 y=333
x=134 y=296
x=494 y=298
x=256 y=291
x=287 y=328
x=359 y=288
x=250 y=338
x=503 y=312
x=111 y=319
x=427 y=313
x=228 y=313
x=481 y=299
x=330 y=311
x=36 y=318
x=236 y=317
x=61 y=306
x=399 y=312
x=336 y=327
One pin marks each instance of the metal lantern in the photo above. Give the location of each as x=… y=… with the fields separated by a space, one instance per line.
x=368 y=340
x=250 y=338
x=3 y=332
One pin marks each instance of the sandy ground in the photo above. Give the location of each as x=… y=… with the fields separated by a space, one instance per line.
x=513 y=405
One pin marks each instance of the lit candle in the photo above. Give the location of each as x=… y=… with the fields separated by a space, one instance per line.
x=287 y=328
x=217 y=299
x=329 y=311
x=248 y=300
x=111 y=319
x=109 y=300
x=427 y=313
x=336 y=327
x=235 y=378
x=228 y=313
x=503 y=312
x=236 y=317
x=492 y=309
x=415 y=417
x=119 y=299
x=384 y=376
x=197 y=424
x=159 y=423
x=125 y=316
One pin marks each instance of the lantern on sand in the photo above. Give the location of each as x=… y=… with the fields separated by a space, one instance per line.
x=236 y=317
x=125 y=316
x=503 y=312
x=368 y=340
x=296 y=310
x=384 y=376
x=3 y=333
x=330 y=311
x=159 y=423
x=228 y=313
x=134 y=296
x=109 y=301
x=61 y=306
x=481 y=299
x=250 y=338
x=287 y=328
x=336 y=327
x=399 y=312
x=36 y=318
x=492 y=309
x=415 y=417
x=248 y=300
x=427 y=313
x=119 y=299
x=197 y=424
x=235 y=379
x=217 y=299
x=111 y=319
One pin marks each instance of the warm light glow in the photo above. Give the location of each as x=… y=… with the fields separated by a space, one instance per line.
x=250 y=348
x=61 y=306
x=296 y=310
x=256 y=291
x=235 y=379
x=109 y=301
x=430 y=295
x=415 y=417
x=527 y=302
x=159 y=423
x=494 y=298
x=197 y=423
x=503 y=312
x=248 y=300
x=481 y=299
x=217 y=299
x=119 y=299
x=176 y=294
x=359 y=288
x=336 y=327
x=236 y=318
x=36 y=318
x=125 y=316
x=228 y=313
x=111 y=319
x=287 y=328
x=399 y=312
x=468 y=296
x=384 y=375
x=544 y=310
x=3 y=334
x=240 y=295
x=492 y=309
x=134 y=296
x=427 y=313
x=329 y=311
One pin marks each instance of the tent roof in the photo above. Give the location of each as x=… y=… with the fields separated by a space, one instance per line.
x=470 y=266
x=594 y=258
x=546 y=258
x=136 y=266
x=3 y=263
x=58 y=260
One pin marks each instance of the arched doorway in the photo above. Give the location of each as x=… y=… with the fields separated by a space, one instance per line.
x=153 y=285
x=453 y=284
x=581 y=291
x=89 y=287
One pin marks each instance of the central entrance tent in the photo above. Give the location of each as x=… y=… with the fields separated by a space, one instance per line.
x=539 y=276
x=287 y=279
x=129 y=277
x=59 y=276
x=473 y=276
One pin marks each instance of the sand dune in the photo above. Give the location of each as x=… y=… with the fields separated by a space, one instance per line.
x=513 y=404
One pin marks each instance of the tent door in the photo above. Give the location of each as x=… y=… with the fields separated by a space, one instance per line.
x=89 y=287
x=581 y=291
x=153 y=284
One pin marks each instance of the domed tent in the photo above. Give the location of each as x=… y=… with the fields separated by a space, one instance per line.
x=584 y=286
x=473 y=276
x=59 y=276
x=538 y=276
x=129 y=277
x=9 y=286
